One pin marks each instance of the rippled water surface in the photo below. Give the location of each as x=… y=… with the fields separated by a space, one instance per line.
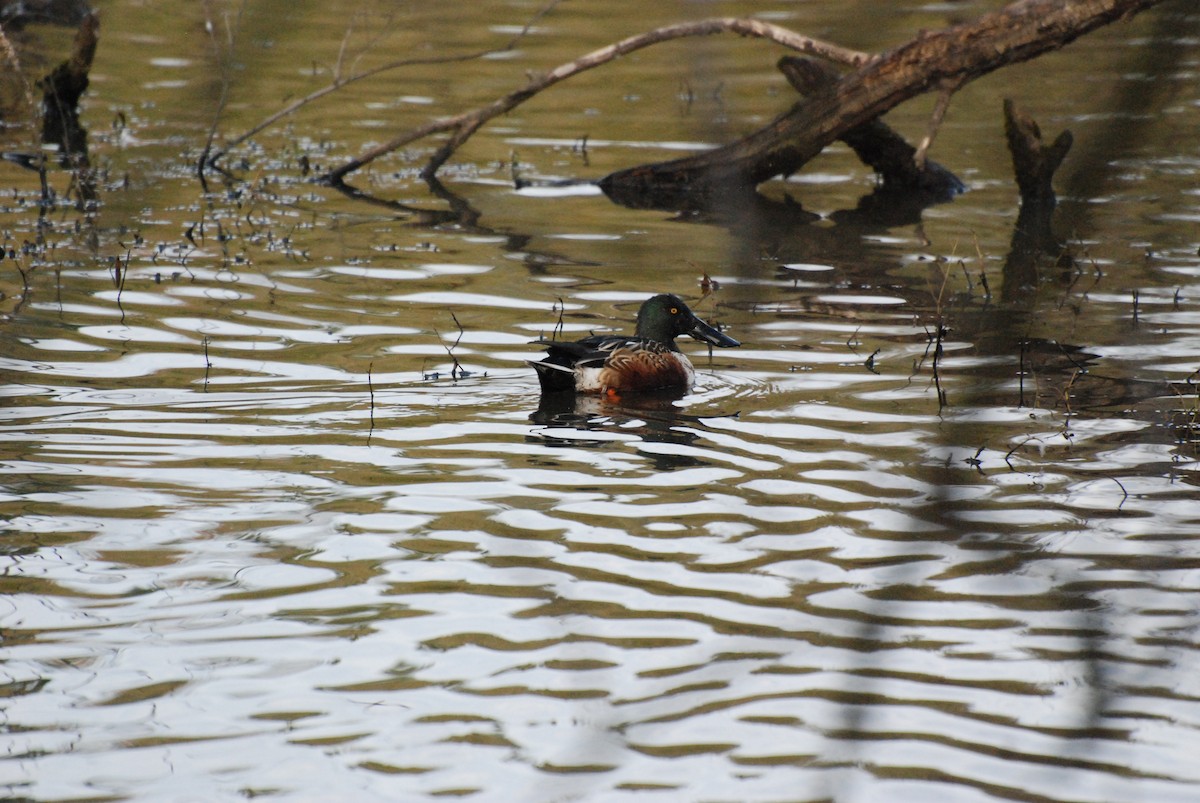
x=286 y=518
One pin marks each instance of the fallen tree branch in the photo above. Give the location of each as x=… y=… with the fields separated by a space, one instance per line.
x=875 y=143
x=463 y=126
x=1018 y=32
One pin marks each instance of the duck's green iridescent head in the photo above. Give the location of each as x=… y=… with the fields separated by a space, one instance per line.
x=665 y=317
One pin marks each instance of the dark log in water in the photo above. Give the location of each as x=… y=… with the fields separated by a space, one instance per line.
x=875 y=142
x=941 y=60
x=1034 y=165
x=61 y=90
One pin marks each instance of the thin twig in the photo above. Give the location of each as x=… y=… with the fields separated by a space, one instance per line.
x=1024 y=346
x=207 y=364
x=456 y=371
x=461 y=331
x=119 y=275
x=558 y=326
x=935 y=120
x=1124 y=498
x=1008 y=456
x=1066 y=392
x=226 y=79
x=371 y=391
x=463 y=126
x=25 y=291
x=942 y=331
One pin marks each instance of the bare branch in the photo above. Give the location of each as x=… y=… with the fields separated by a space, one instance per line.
x=466 y=124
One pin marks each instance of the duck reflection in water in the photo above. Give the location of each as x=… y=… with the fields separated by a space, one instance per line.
x=604 y=380
x=594 y=421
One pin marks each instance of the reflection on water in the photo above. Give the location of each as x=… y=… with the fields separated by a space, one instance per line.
x=285 y=515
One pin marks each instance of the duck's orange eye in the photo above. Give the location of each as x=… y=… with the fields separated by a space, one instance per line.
x=674 y=310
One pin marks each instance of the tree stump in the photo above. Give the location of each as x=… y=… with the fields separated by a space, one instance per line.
x=61 y=90
x=1034 y=165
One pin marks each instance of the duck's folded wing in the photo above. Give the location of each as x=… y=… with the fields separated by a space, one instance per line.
x=594 y=351
x=580 y=364
x=564 y=359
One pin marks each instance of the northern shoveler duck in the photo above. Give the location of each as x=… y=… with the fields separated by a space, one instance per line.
x=649 y=360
